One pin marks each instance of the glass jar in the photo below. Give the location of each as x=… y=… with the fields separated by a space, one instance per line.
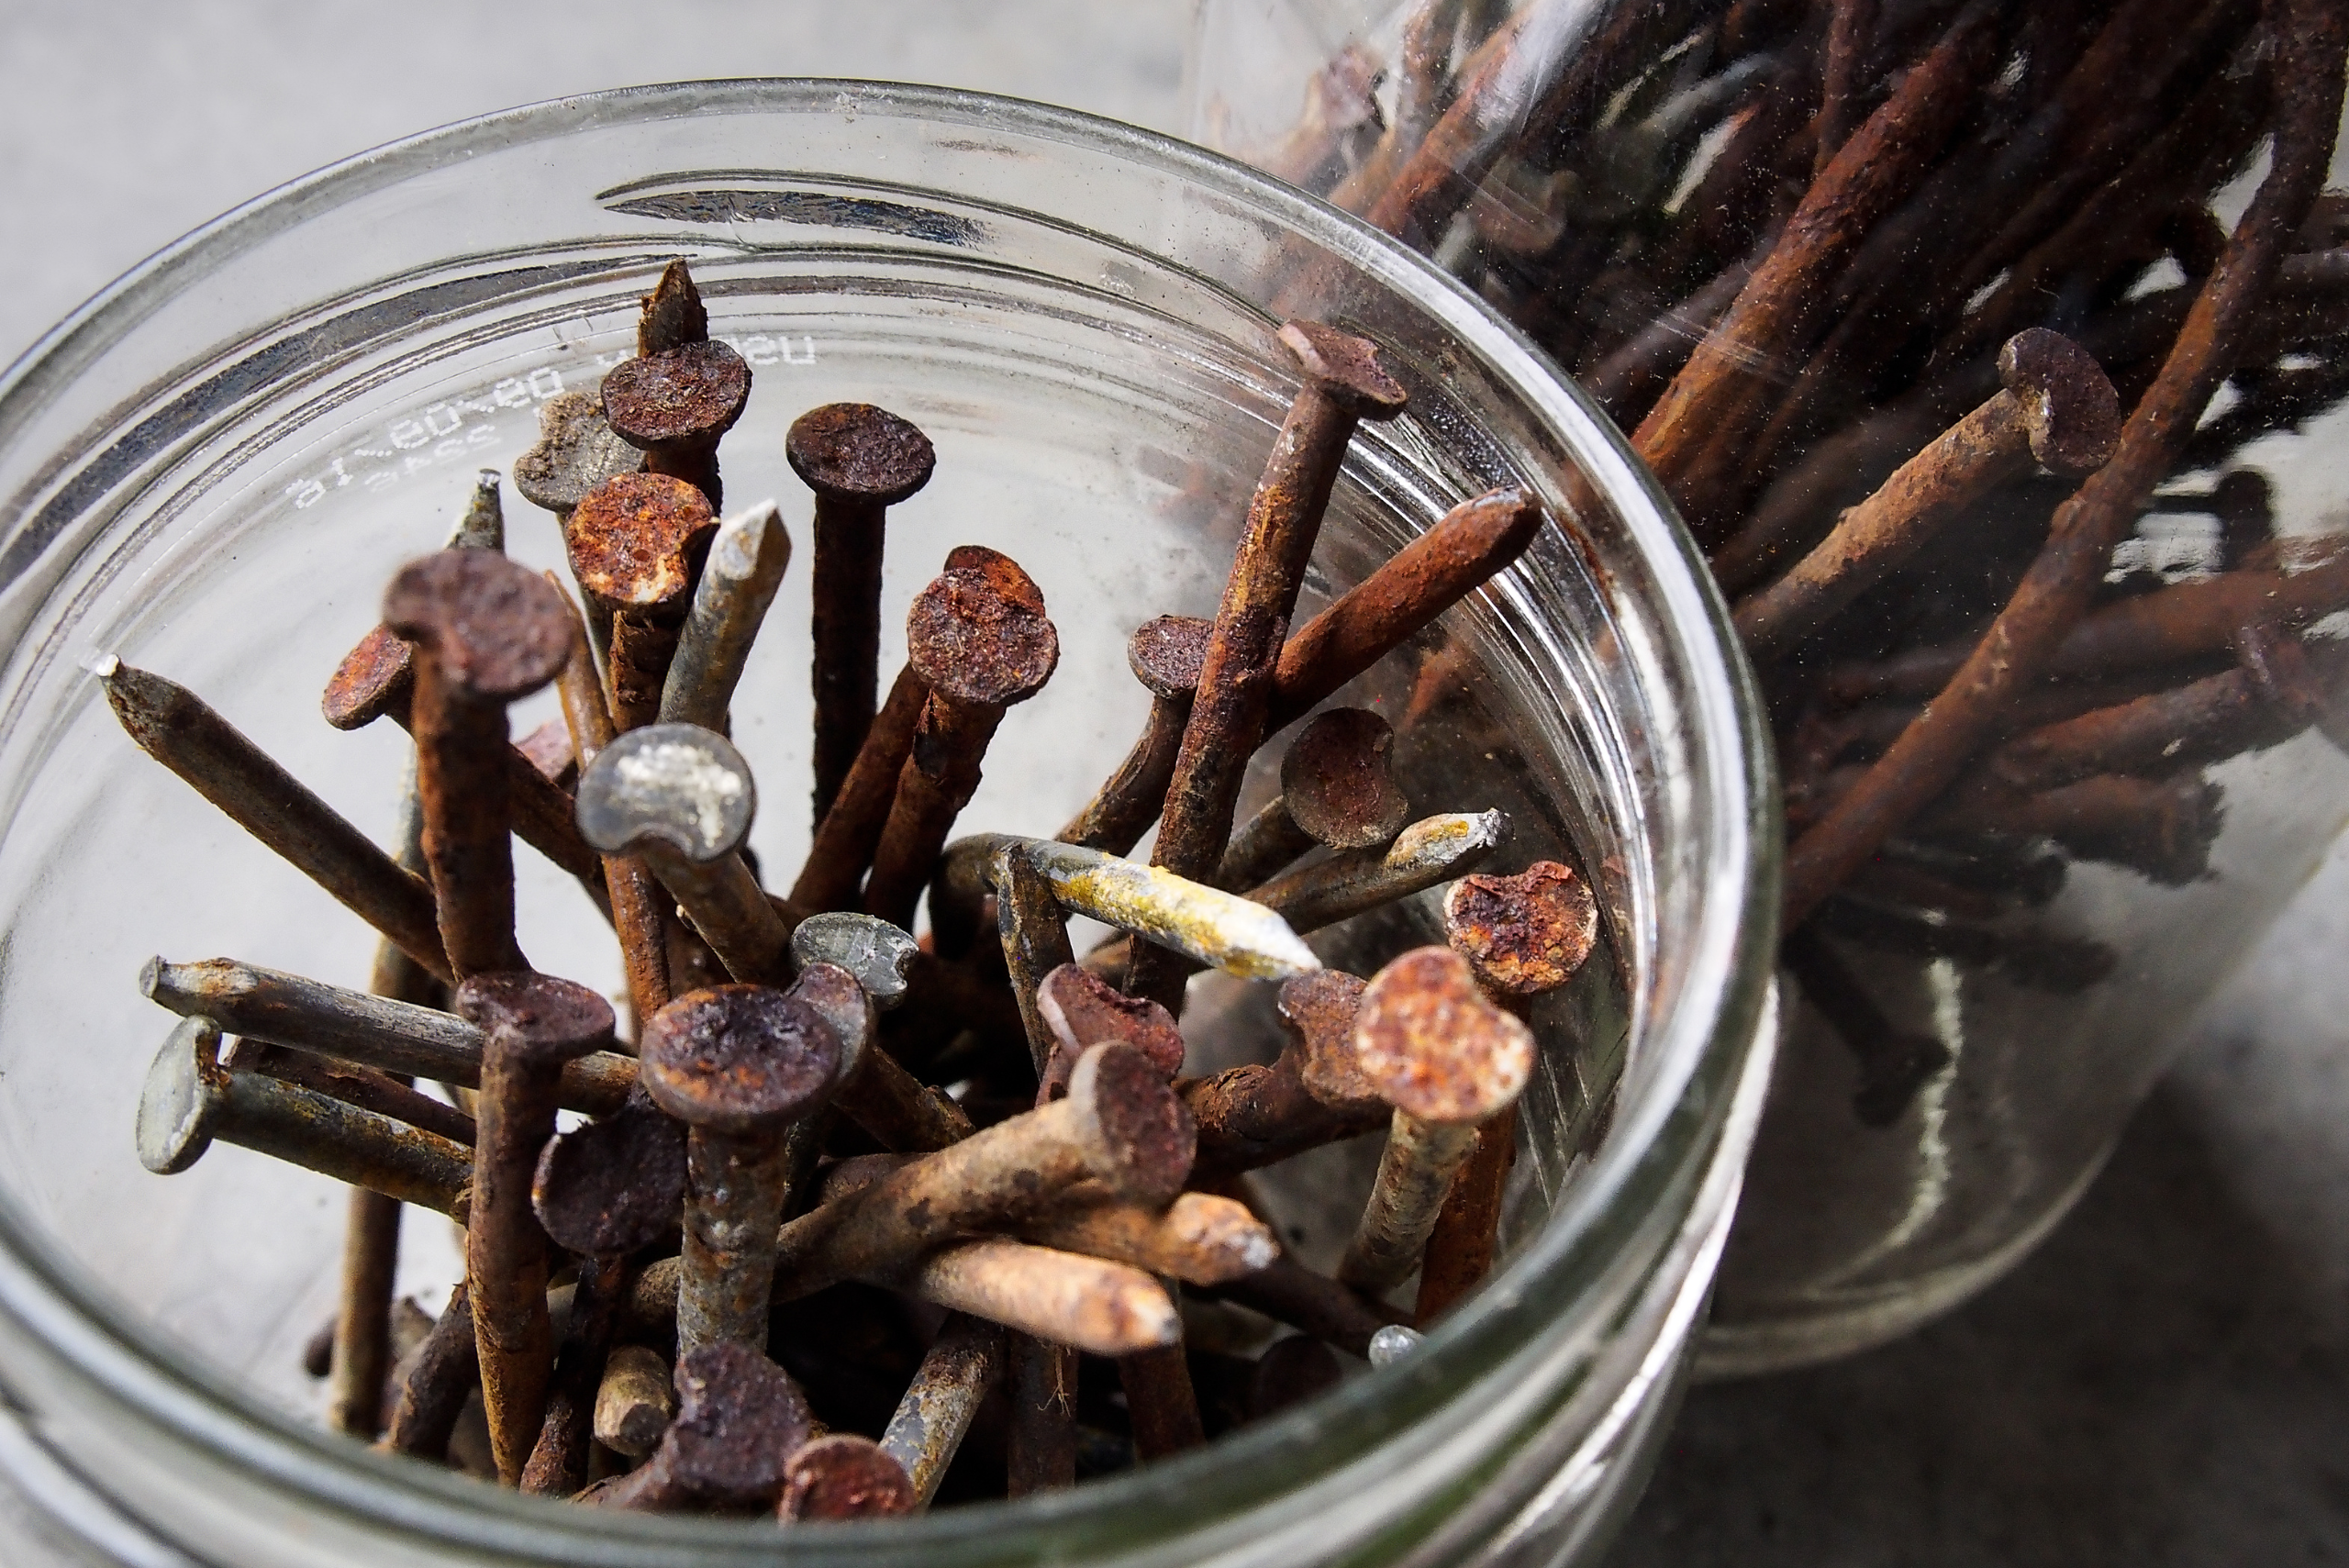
x=1795 y=251
x=212 y=470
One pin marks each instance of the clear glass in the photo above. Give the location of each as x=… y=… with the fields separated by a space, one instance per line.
x=1990 y=989
x=213 y=468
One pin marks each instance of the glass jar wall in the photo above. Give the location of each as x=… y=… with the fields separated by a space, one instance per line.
x=1994 y=354
x=212 y=470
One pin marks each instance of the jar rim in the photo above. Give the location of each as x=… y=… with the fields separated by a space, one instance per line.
x=1697 y=1050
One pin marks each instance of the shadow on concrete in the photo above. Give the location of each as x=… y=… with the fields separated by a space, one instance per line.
x=2160 y=1383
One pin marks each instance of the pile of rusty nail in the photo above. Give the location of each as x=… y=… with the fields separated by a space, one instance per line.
x=1920 y=315
x=754 y=1259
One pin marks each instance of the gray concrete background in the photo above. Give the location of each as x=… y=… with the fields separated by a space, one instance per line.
x=2163 y=1383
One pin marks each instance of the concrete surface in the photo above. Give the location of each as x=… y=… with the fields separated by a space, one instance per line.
x=2162 y=1383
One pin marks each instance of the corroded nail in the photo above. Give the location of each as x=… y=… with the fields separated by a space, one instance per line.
x=1165 y=655
x=895 y=1109
x=189 y=1101
x=1344 y=382
x=634 y=1401
x=673 y=316
x=486 y=632
x=979 y=638
x=576 y=451
x=1313 y=1093
x=366 y=1087
x=1218 y=929
x=1288 y=1292
x=375 y=1032
x=1467 y=547
x=531 y=1024
x=1431 y=850
x=377 y=680
x=745 y=567
x=1524 y=937
x=172 y=725
x=1337 y=791
x=1121 y=1128
x=1160 y=1402
x=559 y=1460
x=1032 y=932
x=930 y=1422
x=681 y=798
x=843 y=1476
x=1083 y=1010
x=443 y=1376
x=611 y=1186
x=2057 y=408
x=736 y=1065
x=635 y=544
x=1198 y=1239
x=1447 y=1060
x=850 y=829
x=675 y=405
x=641 y=908
x=860 y=461
x=739 y=1418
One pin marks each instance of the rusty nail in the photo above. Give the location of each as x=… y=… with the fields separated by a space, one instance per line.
x=375 y=1032
x=576 y=451
x=443 y=1374
x=635 y=544
x=486 y=632
x=1165 y=655
x=979 y=638
x=365 y=1088
x=1447 y=1060
x=1082 y=1010
x=673 y=316
x=894 y=1108
x=1163 y=1407
x=1894 y=1062
x=1121 y=1128
x=860 y=461
x=611 y=1186
x=1205 y=924
x=361 y=1338
x=172 y=725
x=1288 y=1292
x=880 y=955
x=681 y=798
x=1313 y=1093
x=675 y=405
x=1430 y=850
x=1337 y=791
x=966 y=1361
x=634 y=1401
x=739 y=1418
x=843 y=1476
x=739 y=581
x=737 y=1064
x=1199 y=1238
x=842 y=850
x=1033 y=935
x=189 y=1101
x=1344 y=383
x=1466 y=548
x=531 y=1024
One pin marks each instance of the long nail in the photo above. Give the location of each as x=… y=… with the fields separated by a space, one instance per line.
x=1218 y=929
x=1165 y=655
x=843 y=1476
x=979 y=638
x=1034 y=937
x=736 y=1065
x=1448 y=1060
x=174 y=727
x=881 y=956
x=930 y=1420
x=189 y=1101
x=486 y=632
x=1338 y=791
x=371 y=1241
x=1288 y=1292
x=1080 y=1011
x=1163 y=1407
x=1467 y=547
x=443 y=1375
x=895 y=1109
x=640 y=906
x=675 y=405
x=2161 y=829
x=634 y=1402
x=1433 y=849
x=374 y=1031
x=860 y=461
x=1119 y=1126
x=1313 y=1093
x=1344 y=383
x=532 y=1023
x=365 y=1088
x=681 y=798
x=576 y=451
x=739 y=581
x=739 y=1418
x=2057 y=408
x=1198 y=1239
x=1524 y=937
x=377 y=680
x=1039 y=1440
x=558 y=1458
x=635 y=544
x=851 y=828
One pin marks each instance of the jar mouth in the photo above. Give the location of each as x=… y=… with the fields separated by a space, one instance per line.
x=1688 y=1056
